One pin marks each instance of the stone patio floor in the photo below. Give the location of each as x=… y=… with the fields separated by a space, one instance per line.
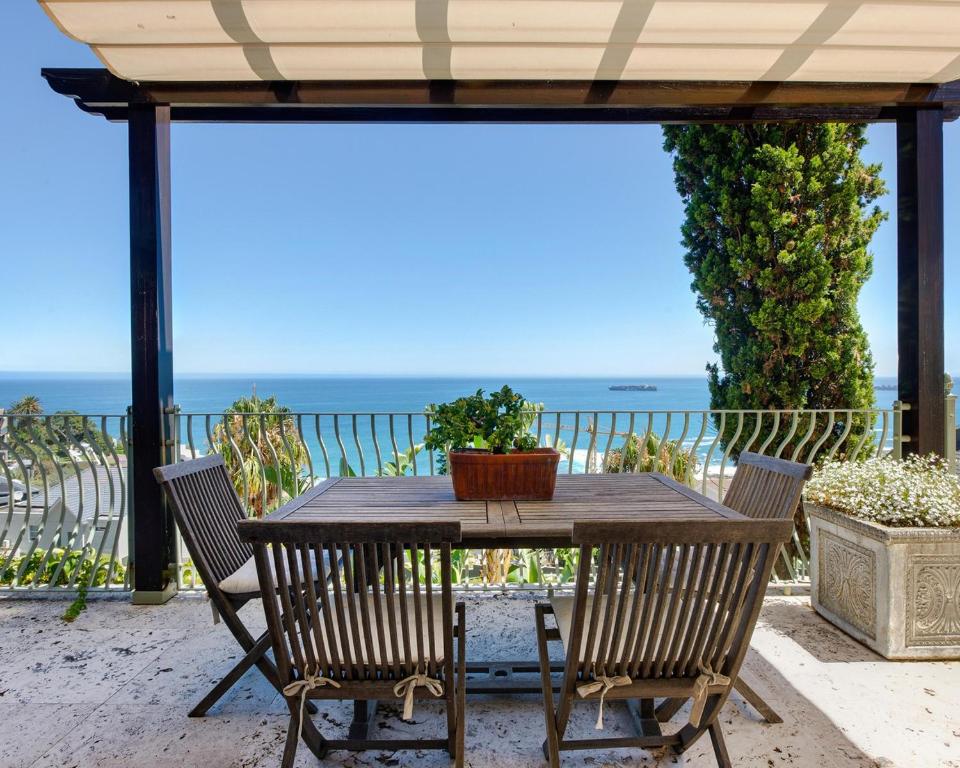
x=114 y=687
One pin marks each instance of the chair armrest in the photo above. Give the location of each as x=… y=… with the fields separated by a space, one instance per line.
x=460 y=610
x=541 y=610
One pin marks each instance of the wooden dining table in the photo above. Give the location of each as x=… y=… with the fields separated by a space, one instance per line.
x=500 y=525
x=505 y=524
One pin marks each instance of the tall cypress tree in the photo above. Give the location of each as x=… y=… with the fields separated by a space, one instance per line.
x=778 y=221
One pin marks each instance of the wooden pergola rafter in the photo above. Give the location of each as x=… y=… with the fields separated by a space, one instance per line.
x=820 y=63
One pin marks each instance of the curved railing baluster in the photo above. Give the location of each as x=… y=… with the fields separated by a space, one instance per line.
x=867 y=430
x=704 y=423
x=264 y=435
x=376 y=443
x=356 y=441
x=794 y=421
x=306 y=450
x=344 y=463
x=726 y=454
x=592 y=444
x=667 y=470
x=430 y=456
x=120 y=499
x=806 y=437
x=573 y=446
x=7 y=448
x=646 y=435
x=102 y=460
x=393 y=444
x=413 y=452
x=827 y=431
x=238 y=458
x=323 y=446
x=190 y=445
x=42 y=530
x=76 y=532
x=716 y=441
x=774 y=429
x=883 y=435
x=626 y=444
x=258 y=460
x=757 y=426
x=296 y=469
x=606 y=448
x=678 y=446
x=844 y=434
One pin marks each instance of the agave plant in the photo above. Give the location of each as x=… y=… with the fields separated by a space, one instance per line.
x=651 y=454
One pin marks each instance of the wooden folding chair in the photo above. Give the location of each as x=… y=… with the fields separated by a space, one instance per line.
x=763 y=488
x=207 y=510
x=670 y=614
x=381 y=627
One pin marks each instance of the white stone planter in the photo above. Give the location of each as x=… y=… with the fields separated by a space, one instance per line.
x=896 y=590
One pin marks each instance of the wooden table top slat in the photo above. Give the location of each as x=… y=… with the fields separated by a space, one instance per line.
x=639 y=496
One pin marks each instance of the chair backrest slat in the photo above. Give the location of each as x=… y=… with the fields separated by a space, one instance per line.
x=766 y=488
x=312 y=556
x=710 y=575
x=669 y=601
x=371 y=609
x=207 y=510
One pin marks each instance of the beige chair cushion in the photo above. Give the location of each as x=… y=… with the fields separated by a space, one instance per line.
x=563 y=611
x=436 y=626
x=244 y=581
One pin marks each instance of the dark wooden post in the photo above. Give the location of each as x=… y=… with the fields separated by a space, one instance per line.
x=151 y=340
x=920 y=277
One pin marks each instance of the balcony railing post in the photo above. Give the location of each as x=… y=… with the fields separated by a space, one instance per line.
x=898 y=437
x=950 y=428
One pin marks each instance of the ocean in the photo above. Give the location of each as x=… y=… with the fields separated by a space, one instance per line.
x=110 y=394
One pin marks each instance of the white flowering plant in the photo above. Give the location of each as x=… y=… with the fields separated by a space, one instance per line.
x=919 y=491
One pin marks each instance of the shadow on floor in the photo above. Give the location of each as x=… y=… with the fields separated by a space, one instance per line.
x=797 y=620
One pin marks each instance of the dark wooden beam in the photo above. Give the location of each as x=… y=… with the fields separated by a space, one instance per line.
x=920 y=278
x=151 y=340
x=527 y=115
x=97 y=91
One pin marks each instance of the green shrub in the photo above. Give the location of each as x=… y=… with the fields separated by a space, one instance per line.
x=87 y=571
x=498 y=423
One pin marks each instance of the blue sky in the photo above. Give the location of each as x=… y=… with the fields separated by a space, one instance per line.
x=548 y=250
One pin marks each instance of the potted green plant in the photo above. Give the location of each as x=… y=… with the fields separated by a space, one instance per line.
x=489 y=449
x=885 y=553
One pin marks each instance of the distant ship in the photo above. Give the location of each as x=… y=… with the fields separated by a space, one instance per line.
x=633 y=387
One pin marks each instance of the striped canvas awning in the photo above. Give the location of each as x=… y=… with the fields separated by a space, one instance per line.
x=891 y=41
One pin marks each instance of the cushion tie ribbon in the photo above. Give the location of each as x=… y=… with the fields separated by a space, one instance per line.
x=602 y=683
x=301 y=687
x=408 y=685
x=701 y=685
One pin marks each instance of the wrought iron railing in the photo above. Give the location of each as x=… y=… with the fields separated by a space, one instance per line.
x=63 y=502
x=275 y=456
x=64 y=495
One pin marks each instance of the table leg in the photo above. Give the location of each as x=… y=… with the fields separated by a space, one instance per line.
x=364 y=712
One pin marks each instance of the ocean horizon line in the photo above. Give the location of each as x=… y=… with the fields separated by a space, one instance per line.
x=364 y=375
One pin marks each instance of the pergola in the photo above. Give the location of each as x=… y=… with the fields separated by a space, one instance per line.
x=554 y=61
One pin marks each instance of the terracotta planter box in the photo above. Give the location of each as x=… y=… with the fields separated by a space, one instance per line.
x=483 y=476
x=896 y=590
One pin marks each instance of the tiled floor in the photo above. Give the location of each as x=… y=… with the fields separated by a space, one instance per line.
x=113 y=689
